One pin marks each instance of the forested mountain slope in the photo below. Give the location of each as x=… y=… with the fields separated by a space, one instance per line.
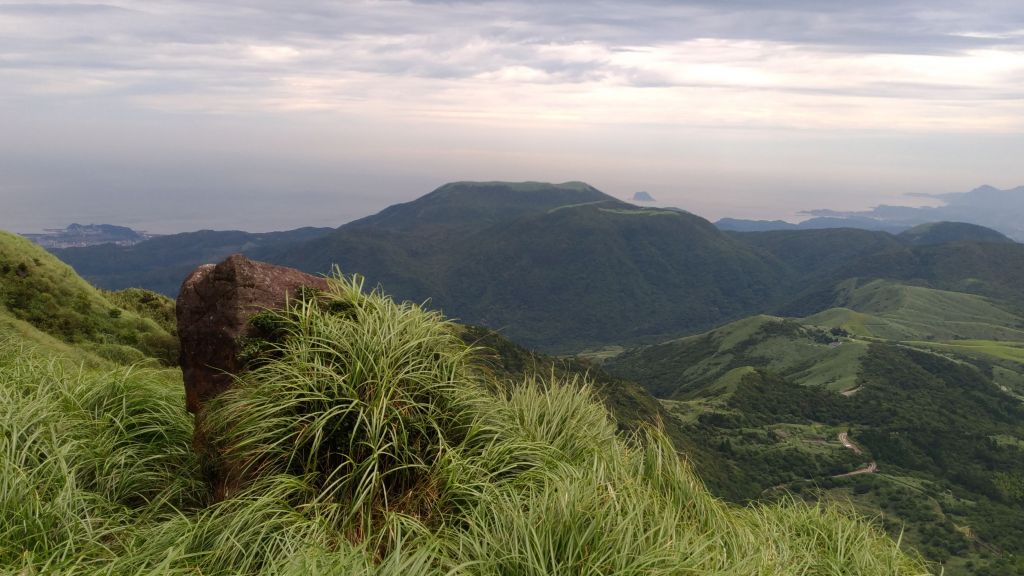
x=160 y=264
x=565 y=267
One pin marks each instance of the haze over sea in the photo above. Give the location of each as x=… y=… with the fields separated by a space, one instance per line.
x=173 y=116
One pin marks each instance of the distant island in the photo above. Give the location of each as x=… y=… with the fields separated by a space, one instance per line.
x=643 y=197
x=79 y=235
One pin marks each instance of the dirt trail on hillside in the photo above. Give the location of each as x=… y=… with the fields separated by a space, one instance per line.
x=868 y=468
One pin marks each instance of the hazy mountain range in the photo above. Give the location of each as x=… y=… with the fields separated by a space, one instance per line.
x=565 y=267
x=1001 y=210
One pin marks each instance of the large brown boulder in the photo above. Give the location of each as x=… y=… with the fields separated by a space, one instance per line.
x=213 y=310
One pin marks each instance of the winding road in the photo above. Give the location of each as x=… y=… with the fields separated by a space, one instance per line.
x=868 y=468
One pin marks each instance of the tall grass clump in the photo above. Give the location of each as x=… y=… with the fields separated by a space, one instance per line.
x=366 y=401
x=367 y=438
x=84 y=454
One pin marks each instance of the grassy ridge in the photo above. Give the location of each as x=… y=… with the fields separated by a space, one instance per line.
x=933 y=408
x=894 y=311
x=370 y=441
x=828 y=348
x=708 y=364
x=40 y=290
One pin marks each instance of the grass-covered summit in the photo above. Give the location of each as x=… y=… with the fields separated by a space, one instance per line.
x=369 y=439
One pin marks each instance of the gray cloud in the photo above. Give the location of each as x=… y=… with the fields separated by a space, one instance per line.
x=245 y=102
x=156 y=35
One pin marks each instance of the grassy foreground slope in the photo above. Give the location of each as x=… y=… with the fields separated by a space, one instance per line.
x=631 y=406
x=373 y=442
x=38 y=290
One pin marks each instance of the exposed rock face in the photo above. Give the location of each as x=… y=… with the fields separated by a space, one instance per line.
x=213 y=310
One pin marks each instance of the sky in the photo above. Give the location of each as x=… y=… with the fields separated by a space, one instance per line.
x=172 y=116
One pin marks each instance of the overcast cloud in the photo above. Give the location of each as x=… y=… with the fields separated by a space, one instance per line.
x=178 y=115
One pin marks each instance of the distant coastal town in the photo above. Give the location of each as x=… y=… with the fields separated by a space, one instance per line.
x=79 y=235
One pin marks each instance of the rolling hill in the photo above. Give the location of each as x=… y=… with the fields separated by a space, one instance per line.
x=560 y=267
x=565 y=267
x=929 y=383
x=42 y=300
x=992 y=270
x=826 y=349
x=160 y=264
x=945 y=232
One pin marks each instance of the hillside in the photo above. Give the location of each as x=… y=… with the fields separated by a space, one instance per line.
x=161 y=263
x=714 y=362
x=396 y=449
x=946 y=256
x=565 y=268
x=945 y=232
x=42 y=298
x=561 y=266
x=827 y=348
x=595 y=274
x=816 y=252
x=929 y=383
x=992 y=270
